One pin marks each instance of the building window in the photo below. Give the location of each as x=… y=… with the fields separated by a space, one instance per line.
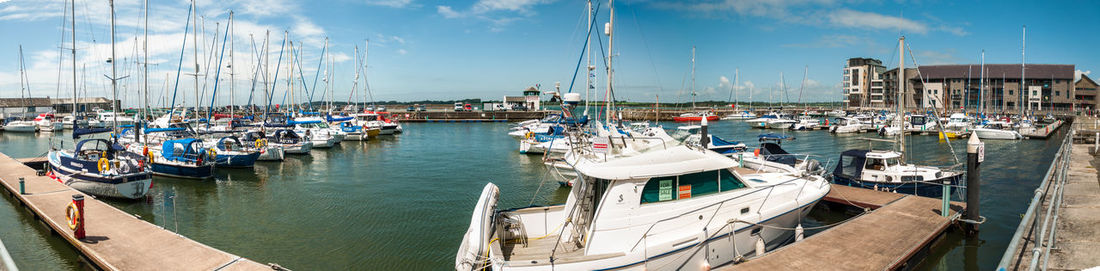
x=1010 y=92
x=1057 y=93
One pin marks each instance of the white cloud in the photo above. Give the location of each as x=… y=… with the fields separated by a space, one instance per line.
x=499 y=13
x=391 y=3
x=1077 y=74
x=833 y=41
x=402 y=51
x=448 y=12
x=870 y=20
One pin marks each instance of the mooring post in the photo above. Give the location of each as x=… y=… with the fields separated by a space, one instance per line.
x=975 y=155
x=22 y=186
x=78 y=232
x=704 y=138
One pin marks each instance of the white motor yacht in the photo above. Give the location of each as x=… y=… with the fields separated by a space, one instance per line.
x=678 y=208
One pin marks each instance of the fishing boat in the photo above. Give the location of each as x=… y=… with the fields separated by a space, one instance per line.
x=644 y=212
x=883 y=170
x=183 y=158
x=102 y=168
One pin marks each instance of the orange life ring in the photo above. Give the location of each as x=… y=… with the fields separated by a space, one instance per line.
x=73 y=215
x=756 y=152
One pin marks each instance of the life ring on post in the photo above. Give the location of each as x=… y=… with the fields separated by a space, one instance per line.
x=529 y=135
x=261 y=143
x=212 y=153
x=103 y=164
x=73 y=215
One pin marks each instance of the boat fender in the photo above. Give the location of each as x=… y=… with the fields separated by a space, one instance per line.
x=145 y=150
x=103 y=165
x=73 y=215
x=761 y=247
x=798 y=233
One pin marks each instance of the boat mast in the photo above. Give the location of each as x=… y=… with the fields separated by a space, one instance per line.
x=72 y=9
x=901 y=91
x=145 y=66
x=232 y=71
x=114 y=75
x=736 y=85
x=22 y=88
x=609 y=29
x=1023 y=74
x=981 y=87
x=588 y=68
x=195 y=42
x=693 y=78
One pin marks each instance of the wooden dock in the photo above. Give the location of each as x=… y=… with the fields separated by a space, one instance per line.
x=1042 y=132
x=115 y=239
x=892 y=236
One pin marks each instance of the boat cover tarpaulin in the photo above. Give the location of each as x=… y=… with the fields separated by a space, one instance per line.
x=851 y=164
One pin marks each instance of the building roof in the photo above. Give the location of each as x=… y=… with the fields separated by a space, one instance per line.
x=1086 y=79
x=89 y=100
x=1036 y=71
x=20 y=102
x=515 y=99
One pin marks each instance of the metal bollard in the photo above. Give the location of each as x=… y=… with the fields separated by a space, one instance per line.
x=78 y=200
x=975 y=155
x=22 y=186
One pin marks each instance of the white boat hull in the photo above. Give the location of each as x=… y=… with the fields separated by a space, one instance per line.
x=20 y=127
x=984 y=133
x=272 y=153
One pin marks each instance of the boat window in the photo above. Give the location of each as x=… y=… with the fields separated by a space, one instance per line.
x=892 y=162
x=727 y=181
x=875 y=164
x=697 y=184
x=659 y=189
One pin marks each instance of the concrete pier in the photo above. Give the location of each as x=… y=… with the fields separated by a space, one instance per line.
x=115 y=239
x=895 y=235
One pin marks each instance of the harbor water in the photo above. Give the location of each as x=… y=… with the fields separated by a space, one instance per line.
x=404 y=201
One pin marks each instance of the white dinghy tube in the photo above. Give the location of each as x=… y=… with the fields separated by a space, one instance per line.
x=474 y=251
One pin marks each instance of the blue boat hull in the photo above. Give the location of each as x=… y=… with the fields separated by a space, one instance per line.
x=247 y=160
x=184 y=171
x=928 y=188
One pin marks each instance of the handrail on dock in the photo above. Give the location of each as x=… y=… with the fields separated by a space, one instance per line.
x=1056 y=177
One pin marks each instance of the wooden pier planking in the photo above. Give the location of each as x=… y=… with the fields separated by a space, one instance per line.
x=115 y=239
x=886 y=238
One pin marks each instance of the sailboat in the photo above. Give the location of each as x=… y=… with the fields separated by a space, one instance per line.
x=667 y=208
x=743 y=114
x=886 y=170
x=21 y=125
x=694 y=116
x=100 y=167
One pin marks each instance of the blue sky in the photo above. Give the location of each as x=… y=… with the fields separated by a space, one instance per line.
x=488 y=48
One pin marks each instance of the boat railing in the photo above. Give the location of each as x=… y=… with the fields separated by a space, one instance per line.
x=1048 y=193
x=719 y=204
x=802 y=162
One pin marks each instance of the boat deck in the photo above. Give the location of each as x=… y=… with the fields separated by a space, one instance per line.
x=115 y=239
x=1042 y=132
x=900 y=227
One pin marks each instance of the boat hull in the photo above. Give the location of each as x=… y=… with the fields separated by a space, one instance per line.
x=129 y=186
x=694 y=118
x=272 y=153
x=927 y=188
x=181 y=170
x=237 y=160
x=20 y=128
x=997 y=134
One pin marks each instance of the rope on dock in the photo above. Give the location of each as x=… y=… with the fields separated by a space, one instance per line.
x=228 y=264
